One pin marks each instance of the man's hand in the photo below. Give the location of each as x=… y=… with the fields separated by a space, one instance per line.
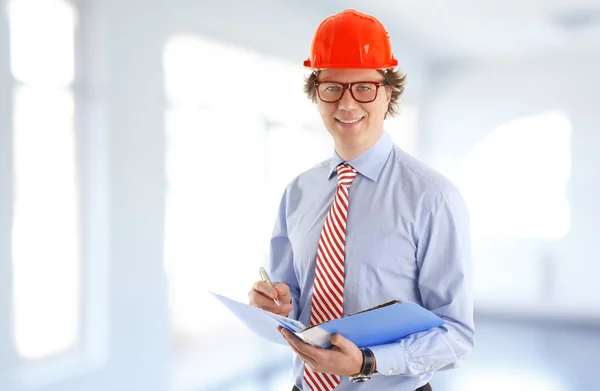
x=262 y=295
x=343 y=359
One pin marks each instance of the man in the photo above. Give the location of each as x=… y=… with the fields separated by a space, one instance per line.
x=369 y=225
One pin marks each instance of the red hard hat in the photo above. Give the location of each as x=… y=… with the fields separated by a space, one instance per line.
x=351 y=39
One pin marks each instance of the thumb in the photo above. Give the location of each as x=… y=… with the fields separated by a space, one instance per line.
x=341 y=342
x=283 y=291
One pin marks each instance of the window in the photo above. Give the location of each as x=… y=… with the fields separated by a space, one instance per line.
x=514 y=182
x=515 y=179
x=46 y=245
x=403 y=129
x=214 y=204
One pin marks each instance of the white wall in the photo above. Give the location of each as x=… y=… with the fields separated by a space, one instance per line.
x=6 y=358
x=466 y=104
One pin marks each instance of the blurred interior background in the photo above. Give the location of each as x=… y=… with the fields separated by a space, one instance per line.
x=144 y=146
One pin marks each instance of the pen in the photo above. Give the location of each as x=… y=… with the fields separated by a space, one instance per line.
x=265 y=278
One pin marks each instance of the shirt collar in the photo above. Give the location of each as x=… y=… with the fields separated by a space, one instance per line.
x=370 y=162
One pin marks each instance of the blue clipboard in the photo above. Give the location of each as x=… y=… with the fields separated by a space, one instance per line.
x=379 y=325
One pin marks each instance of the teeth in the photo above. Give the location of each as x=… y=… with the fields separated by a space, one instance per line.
x=349 y=122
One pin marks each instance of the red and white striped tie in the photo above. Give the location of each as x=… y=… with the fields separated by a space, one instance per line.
x=328 y=290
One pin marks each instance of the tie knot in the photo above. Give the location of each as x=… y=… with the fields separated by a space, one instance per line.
x=346 y=174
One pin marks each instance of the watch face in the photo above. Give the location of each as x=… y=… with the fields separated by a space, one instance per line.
x=359 y=378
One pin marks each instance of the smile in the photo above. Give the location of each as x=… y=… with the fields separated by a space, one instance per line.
x=351 y=121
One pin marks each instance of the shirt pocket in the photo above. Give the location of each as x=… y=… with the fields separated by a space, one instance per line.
x=383 y=250
x=384 y=266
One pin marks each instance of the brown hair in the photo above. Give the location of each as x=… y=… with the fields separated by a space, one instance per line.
x=394 y=79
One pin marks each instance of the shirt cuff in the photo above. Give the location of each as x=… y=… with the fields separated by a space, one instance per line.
x=390 y=359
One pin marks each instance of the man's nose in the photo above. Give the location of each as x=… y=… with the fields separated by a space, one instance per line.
x=347 y=102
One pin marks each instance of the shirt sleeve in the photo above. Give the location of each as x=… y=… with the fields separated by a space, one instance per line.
x=280 y=261
x=444 y=282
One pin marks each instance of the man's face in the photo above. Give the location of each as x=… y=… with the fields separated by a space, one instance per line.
x=354 y=125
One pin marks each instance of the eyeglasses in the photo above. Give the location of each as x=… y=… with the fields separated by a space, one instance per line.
x=361 y=91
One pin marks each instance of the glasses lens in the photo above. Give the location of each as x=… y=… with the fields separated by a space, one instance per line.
x=364 y=92
x=330 y=92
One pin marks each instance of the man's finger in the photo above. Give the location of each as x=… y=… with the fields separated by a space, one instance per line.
x=283 y=289
x=259 y=300
x=265 y=289
x=284 y=294
x=264 y=303
x=299 y=345
x=283 y=310
x=303 y=355
x=342 y=343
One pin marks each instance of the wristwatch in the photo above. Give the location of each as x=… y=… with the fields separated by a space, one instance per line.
x=367 y=369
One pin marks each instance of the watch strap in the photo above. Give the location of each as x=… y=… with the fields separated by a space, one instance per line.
x=367 y=368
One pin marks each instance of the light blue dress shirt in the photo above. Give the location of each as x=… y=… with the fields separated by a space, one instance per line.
x=407 y=238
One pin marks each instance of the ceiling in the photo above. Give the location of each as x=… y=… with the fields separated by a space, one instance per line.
x=452 y=30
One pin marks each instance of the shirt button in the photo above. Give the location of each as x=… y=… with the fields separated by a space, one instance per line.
x=390 y=371
x=427 y=368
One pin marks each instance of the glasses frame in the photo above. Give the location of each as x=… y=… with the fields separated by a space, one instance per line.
x=348 y=86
